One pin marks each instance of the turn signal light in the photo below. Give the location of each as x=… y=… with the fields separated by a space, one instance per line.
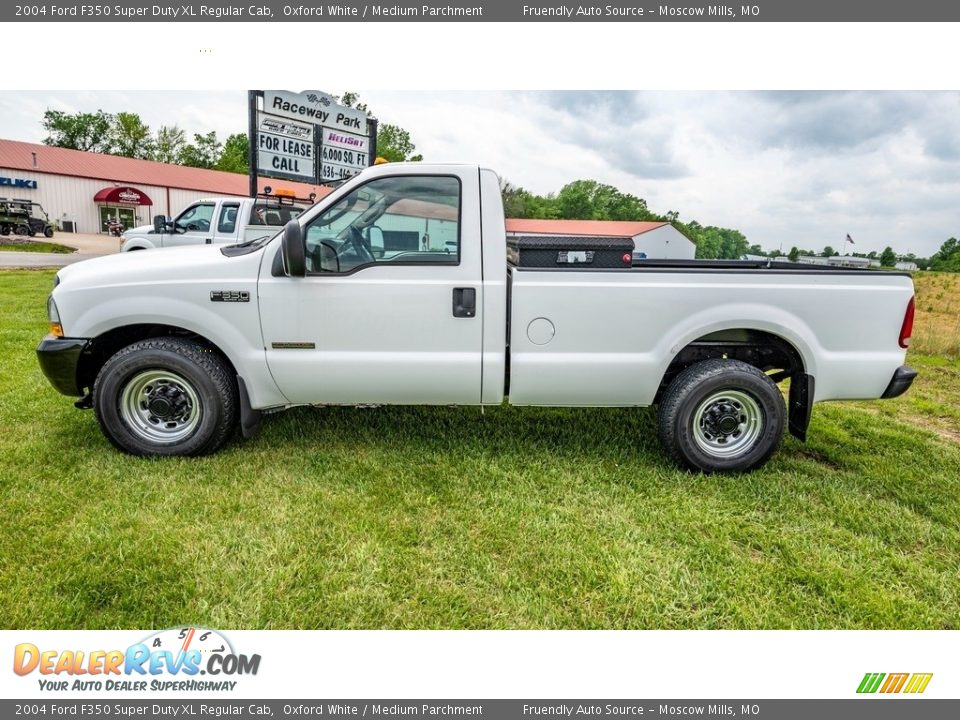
x=56 y=329
x=906 y=330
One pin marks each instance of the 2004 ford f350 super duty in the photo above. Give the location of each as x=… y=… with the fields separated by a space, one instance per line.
x=175 y=348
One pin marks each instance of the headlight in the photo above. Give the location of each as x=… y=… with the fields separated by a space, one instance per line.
x=123 y=240
x=56 y=329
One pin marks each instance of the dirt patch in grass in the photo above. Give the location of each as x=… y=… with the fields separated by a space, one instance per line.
x=21 y=244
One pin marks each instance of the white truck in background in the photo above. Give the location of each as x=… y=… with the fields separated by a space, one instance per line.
x=176 y=349
x=218 y=221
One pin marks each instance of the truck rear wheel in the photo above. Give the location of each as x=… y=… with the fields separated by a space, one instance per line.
x=166 y=396
x=722 y=416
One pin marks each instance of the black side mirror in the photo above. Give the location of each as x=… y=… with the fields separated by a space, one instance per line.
x=159 y=224
x=293 y=250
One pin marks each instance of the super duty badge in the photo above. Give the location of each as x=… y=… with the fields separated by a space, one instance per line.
x=229 y=296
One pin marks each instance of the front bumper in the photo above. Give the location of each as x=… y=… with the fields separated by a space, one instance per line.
x=59 y=359
x=900 y=382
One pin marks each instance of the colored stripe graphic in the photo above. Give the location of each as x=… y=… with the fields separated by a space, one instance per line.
x=918 y=683
x=870 y=682
x=894 y=683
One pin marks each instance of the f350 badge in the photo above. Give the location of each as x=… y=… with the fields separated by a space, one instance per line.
x=229 y=296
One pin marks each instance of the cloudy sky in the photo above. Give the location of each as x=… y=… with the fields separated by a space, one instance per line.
x=786 y=168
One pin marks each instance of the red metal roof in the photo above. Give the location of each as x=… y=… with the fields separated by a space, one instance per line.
x=602 y=228
x=111 y=168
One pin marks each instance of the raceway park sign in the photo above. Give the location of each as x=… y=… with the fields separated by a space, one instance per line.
x=310 y=137
x=316 y=107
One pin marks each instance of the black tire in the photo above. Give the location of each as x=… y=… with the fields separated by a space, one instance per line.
x=48 y=232
x=4 y=229
x=699 y=409
x=166 y=396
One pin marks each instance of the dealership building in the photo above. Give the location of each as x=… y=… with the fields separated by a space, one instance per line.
x=82 y=191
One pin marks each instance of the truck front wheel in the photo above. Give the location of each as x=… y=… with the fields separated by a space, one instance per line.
x=722 y=416
x=166 y=396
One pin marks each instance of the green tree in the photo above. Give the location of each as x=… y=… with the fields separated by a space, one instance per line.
x=947 y=258
x=888 y=257
x=828 y=252
x=794 y=254
x=203 y=152
x=591 y=200
x=131 y=137
x=169 y=144
x=79 y=131
x=235 y=157
x=520 y=203
x=393 y=142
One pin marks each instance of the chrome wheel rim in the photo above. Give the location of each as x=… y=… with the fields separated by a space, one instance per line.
x=727 y=423
x=160 y=406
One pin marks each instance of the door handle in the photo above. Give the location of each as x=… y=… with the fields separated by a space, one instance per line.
x=208 y=241
x=464 y=302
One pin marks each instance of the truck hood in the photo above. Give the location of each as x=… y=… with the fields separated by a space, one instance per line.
x=161 y=265
x=140 y=230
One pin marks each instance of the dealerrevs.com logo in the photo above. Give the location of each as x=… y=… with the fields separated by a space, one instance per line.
x=178 y=659
x=891 y=683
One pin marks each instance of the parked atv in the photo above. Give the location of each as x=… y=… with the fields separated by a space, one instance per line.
x=18 y=217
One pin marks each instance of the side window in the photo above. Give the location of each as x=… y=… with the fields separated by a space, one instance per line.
x=195 y=218
x=228 y=218
x=401 y=220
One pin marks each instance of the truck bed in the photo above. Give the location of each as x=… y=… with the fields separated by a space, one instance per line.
x=584 y=336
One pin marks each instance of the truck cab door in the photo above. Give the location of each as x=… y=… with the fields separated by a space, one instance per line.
x=194 y=226
x=401 y=323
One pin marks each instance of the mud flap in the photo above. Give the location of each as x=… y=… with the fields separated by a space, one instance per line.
x=801 y=405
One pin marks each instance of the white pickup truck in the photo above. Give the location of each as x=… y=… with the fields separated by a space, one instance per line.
x=216 y=221
x=177 y=348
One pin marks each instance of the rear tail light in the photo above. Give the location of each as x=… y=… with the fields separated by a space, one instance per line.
x=906 y=330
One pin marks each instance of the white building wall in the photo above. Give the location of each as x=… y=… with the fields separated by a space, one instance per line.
x=66 y=197
x=665 y=242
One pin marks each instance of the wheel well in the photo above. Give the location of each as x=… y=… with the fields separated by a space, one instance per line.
x=104 y=346
x=765 y=351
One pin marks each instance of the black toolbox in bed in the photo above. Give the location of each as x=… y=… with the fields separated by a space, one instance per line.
x=569 y=252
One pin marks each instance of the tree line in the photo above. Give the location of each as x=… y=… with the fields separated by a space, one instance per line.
x=127 y=135
x=591 y=200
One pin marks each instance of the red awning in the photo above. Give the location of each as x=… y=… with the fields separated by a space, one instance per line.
x=122 y=196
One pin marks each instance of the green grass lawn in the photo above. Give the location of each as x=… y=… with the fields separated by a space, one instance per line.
x=453 y=518
x=39 y=246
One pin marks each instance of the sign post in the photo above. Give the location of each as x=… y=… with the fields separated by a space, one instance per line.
x=308 y=137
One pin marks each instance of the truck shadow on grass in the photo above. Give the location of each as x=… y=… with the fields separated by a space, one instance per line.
x=533 y=433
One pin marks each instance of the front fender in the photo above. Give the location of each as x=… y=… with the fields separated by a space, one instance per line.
x=233 y=327
x=138 y=243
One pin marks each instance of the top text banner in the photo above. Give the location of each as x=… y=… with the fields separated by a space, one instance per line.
x=486 y=11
